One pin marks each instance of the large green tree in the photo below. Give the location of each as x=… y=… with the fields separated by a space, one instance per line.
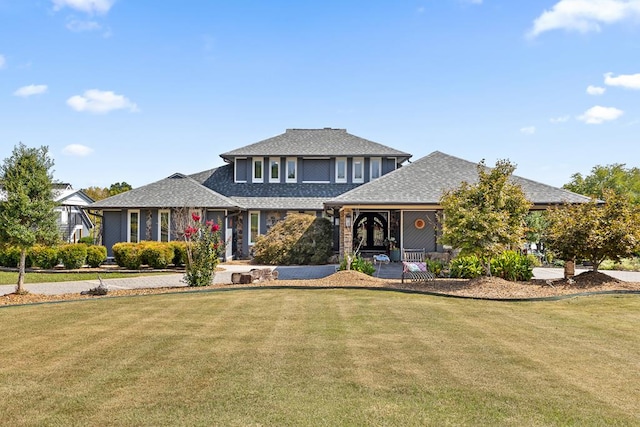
x=614 y=177
x=593 y=231
x=119 y=187
x=26 y=215
x=486 y=217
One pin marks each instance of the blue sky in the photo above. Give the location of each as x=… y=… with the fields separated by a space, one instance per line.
x=129 y=90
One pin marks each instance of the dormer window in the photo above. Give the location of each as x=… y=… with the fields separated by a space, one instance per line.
x=258 y=173
x=292 y=166
x=358 y=169
x=274 y=169
x=376 y=167
x=341 y=169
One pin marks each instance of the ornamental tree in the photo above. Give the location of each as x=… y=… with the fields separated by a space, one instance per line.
x=487 y=217
x=26 y=215
x=595 y=231
x=204 y=247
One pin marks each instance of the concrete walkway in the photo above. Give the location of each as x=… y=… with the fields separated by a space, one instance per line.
x=387 y=271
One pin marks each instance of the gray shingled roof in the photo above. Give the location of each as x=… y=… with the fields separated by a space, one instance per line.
x=316 y=142
x=175 y=191
x=424 y=181
x=281 y=203
x=221 y=181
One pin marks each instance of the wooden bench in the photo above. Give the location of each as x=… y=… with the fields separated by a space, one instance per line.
x=414 y=267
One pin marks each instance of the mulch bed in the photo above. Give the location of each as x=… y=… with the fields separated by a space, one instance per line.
x=482 y=287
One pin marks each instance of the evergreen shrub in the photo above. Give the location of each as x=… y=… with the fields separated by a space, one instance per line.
x=44 y=256
x=96 y=255
x=127 y=255
x=73 y=255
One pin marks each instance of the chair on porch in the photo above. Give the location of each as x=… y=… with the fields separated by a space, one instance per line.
x=414 y=267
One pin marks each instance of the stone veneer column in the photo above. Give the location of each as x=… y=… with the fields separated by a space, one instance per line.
x=346 y=234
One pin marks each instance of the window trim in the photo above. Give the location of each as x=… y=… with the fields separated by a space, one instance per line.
x=160 y=212
x=250 y=237
x=353 y=170
x=295 y=169
x=371 y=162
x=278 y=165
x=129 y=214
x=338 y=161
x=253 y=170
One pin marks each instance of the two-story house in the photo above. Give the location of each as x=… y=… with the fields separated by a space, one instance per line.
x=373 y=195
x=260 y=183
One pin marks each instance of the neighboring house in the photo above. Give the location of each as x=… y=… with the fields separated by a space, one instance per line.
x=73 y=221
x=360 y=185
x=296 y=171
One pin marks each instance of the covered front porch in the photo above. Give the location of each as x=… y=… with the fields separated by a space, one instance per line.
x=389 y=231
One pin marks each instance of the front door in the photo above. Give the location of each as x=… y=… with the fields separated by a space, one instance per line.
x=370 y=231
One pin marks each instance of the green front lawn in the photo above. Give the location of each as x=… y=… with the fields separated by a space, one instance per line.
x=320 y=357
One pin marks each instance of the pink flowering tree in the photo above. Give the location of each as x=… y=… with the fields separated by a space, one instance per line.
x=204 y=247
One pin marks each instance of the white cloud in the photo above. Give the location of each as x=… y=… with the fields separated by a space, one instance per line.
x=100 y=102
x=561 y=119
x=3 y=62
x=584 y=15
x=80 y=26
x=26 y=91
x=87 y=6
x=628 y=81
x=528 y=130
x=595 y=90
x=77 y=150
x=598 y=115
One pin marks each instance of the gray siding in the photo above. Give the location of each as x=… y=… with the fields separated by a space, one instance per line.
x=242 y=169
x=388 y=165
x=112 y=229
x=414 y=238
x=316 y=170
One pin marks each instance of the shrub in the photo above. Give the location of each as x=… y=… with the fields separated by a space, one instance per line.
x=73 y=255
x=127 y=255
x=298 y=239
x=359 y=264
x=513 y=266
x=10 y=256
x=466 y=267
x=436 y=266
x=156 y=254
x=179 y=253
x=204 y=247
x=96 y=255
x=87 y=240
x=44 y=256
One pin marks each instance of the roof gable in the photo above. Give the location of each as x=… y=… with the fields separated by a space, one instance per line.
x=316 y=142
x=177 y=190
x=425 y=180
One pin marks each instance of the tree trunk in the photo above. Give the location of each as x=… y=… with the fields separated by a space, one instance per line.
x=21 y=268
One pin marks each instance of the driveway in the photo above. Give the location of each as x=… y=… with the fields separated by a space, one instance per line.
x=305 y=272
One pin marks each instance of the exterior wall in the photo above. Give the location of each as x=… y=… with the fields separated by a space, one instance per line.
x=242 y=169
x=317 y=170
x=113 y=229
x=414 y=238
x=388 y=165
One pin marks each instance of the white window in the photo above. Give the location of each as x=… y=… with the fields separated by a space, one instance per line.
x=341 y=169
x=164 y=226
x=258 y=173
x=133 y=226
x=64 y=215
x=292 y=166
x=376 y=167
x=358 y=169
x=274 y=169
x=254 y=226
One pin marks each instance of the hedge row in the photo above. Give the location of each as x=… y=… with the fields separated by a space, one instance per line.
x=153 y=254
x=71 y=256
